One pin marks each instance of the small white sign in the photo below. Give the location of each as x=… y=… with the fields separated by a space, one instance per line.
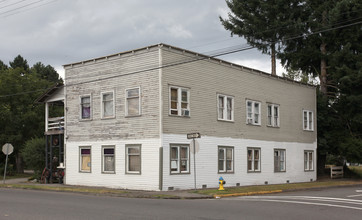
x=8 y=149
x=197 y=148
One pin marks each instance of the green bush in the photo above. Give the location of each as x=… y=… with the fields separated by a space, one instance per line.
x=34 y=154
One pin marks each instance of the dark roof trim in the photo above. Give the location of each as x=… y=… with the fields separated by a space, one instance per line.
x=48 y=93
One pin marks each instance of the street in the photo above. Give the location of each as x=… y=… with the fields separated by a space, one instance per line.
x=332 y=203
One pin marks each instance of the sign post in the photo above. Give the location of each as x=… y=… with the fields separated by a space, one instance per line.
x=7 y=150
x=193 y=136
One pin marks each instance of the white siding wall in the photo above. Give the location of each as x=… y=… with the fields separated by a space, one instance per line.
x=147 y=180
x=207 y=163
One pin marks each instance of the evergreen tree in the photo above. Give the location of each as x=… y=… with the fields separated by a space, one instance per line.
x=20 y=62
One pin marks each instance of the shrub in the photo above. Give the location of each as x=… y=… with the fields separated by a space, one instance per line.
x=34 y=154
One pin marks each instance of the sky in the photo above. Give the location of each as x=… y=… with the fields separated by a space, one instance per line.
x=59 y=32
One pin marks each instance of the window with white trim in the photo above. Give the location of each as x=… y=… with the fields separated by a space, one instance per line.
x=308 y=124
x=253 y=112
x=108 y=159
x=273 y=115
x=308 y=160
x=225 y=107
x=85 y=107
x=133 y=102
x=226 y=159
x=253 y=159
x=133 y=159
x=179 y=101
x=107 y=104
x=279 y=160
x=85 y=162
x=179 y=159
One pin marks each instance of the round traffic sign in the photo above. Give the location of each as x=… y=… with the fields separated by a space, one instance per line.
x=8 y=149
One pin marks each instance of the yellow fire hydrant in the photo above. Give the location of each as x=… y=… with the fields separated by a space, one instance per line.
x=221 y=183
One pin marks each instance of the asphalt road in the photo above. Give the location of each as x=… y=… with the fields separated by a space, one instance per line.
x=333 y=203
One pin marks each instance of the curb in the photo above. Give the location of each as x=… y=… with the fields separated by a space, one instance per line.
x=217 y=196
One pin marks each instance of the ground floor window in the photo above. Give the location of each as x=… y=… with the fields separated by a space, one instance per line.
x=226 y=159
x=133 y=159
x=253 y=159
x=279 y=160
x=179 y=159
x=85 y=159
x=308 y=160
x=108 y=159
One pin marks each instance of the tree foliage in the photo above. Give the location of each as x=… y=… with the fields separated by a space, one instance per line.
x=20 y=118
x=34 y=154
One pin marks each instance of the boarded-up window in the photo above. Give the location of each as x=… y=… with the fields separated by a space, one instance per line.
x=133 y=102
x=133 y=158
x=108 y=159
x=85 y=159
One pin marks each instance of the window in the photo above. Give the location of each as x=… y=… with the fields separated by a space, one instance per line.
x=279 y=160
x=273 y=115
x=133 y=102
x=107 y=105
x=179 y=158
x=225 y=107
x=133 y=159
x=308 y=120
x=252 y=112
x=226 y=160
x=253 y=159
x=308 y=160
x=85 y=159
x=108 y=159
x=179 y=101
x=85 y=107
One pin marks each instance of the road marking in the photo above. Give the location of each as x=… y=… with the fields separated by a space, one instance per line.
x=354 y=195
x=352 y=201
x=358 y=191
x=310 y=203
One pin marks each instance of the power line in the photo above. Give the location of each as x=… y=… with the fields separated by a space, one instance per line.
x=29 y=8
x=24 y=6
x=13 y=4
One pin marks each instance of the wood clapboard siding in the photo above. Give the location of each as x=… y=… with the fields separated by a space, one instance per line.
x=207 y=78
x=116 y=74
x=207 y=163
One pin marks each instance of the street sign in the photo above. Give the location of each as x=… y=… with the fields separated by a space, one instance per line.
x=193 y=135
x=8 y=149
x=194 y=144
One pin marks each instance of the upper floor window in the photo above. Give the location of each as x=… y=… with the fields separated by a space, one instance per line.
x=308 y=120
x=179 y=101
x=107 y=104
x=253 y=159
x=133 y=102
x=273 y=115
x=253 y=112
x=226 y=160
x=85 y=107
x=225 y=107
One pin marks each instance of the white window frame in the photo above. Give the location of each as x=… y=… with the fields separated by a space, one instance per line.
x=133 y=97
x=225 y=160
x=279 y=159
x=81 y=107
x=104 y=159
x=176 y=162
x=253 y=160
x=102 y=105
x=224 y=110
x=308 y=162
x=184 y=112
x=251 y=119
x=273 y=116
x=81 y=159
x=308 y=120
x=133 y=154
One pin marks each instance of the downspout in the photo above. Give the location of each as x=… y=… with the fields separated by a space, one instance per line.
x=160 y=117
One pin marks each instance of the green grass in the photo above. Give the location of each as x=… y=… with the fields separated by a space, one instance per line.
x=15 y=176
x=357 y=170
x=284 y=187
